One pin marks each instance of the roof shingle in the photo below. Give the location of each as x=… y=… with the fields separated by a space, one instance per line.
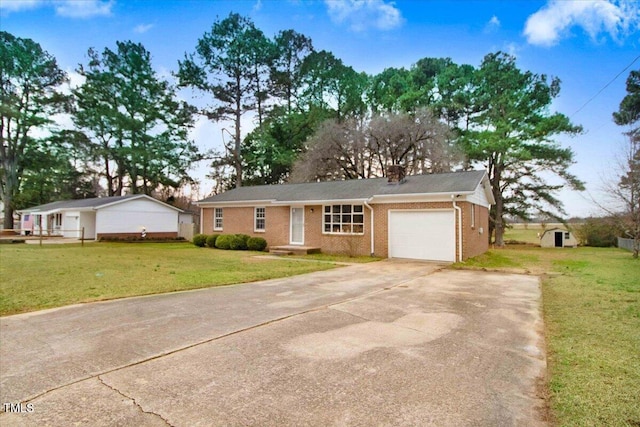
x=355 y=189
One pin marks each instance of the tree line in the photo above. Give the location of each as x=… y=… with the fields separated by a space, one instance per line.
x=315 y=118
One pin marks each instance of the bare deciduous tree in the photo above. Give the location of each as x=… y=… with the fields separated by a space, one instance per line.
x=623 y=191
x=354 y=148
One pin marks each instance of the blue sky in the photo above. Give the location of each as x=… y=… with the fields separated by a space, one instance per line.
x=584 y=43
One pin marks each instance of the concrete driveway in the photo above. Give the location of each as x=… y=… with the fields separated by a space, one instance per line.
x=388 y=343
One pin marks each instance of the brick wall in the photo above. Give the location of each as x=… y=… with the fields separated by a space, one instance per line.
x=241 y=220
x=354 y=245
x=475 y=236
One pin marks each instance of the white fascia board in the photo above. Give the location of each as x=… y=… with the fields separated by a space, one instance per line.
x=486 y=186
x=239 y=203
x=418 y=197
x=140 y=196
x=318 y=202
x=54 y=211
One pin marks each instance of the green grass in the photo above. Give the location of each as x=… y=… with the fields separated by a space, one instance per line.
x=34 y=278
x=591 y=308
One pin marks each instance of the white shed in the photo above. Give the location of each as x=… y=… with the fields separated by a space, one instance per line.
x=104 y=217
x=558 y=238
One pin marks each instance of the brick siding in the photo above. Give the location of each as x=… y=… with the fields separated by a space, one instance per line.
x=277 y=231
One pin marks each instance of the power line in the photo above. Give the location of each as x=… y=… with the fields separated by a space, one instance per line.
x=605 y=86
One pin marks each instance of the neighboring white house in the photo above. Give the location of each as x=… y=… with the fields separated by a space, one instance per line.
x=120 y=216
x=558 y=238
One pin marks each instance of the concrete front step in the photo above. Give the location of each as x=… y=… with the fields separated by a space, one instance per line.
x=292 y=249
x=279 y=252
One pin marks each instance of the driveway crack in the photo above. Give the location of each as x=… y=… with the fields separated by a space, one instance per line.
x=140 y=408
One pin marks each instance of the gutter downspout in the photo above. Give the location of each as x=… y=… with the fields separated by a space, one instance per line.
x=366 y=203
x=456 y=207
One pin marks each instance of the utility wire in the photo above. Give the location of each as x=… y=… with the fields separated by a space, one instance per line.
x=605 y=86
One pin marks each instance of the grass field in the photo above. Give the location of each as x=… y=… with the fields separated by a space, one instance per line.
x=591 y=308
x=591 y=302
x=34 y=278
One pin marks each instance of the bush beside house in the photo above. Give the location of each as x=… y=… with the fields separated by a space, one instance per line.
x=236 y=242
x=256 y=244
x=200 y=240
x=211 y=240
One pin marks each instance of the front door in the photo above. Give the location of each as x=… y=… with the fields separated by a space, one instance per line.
x=558 y=237
x=297 y=226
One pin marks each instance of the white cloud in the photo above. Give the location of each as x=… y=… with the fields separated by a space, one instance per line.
x=66 y=8
x=363 y=14
x=554 y=21
x=83 y=9
x=492 y=25
x=18 y=5
x=142 y=28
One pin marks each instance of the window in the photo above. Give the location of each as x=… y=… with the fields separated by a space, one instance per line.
x=343 y=219
x=260 y=219
x=217 y=218
x=57 y=221
x=567 y=236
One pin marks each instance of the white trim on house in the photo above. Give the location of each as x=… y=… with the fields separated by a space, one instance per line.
x=352 y=213
x=292 y=223
x=256 y=218
x=215 y=218
x=247 y=203
x=136 y=197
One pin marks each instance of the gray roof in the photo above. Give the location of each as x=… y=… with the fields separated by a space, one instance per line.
x=355 y=189
x=83 y=203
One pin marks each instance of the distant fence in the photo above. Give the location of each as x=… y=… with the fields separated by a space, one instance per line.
x=186 y=231
x=625 y=243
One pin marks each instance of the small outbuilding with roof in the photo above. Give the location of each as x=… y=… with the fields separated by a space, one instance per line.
x=558 y=237
x=438 y=217
x=103 y=217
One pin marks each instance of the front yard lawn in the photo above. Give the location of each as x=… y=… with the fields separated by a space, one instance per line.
x=591 y=309
x=34 y=278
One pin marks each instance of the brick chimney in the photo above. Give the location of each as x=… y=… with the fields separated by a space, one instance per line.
x=395 y=174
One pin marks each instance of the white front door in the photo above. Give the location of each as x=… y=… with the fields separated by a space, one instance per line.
x=297 y=226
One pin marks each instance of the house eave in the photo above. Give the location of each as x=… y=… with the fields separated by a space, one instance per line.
x=141 y=196
x=418 y=197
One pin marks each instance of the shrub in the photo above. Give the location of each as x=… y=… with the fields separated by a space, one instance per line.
x=243 y=239
x=599 y=232
x=256 y=244
x=200 y=240
x=211 y=240
x=224 y=241
x=236 y=243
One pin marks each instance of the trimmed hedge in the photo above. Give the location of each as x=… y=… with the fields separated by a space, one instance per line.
x=211 y=240
x=200 y=240
x=224 y=241
x=239 y=242
x=256 y=244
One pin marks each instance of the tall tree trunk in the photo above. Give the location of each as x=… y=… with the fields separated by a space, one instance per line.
x=7 y=221
x=238 y=134
x=498 y=221
x=8 y=190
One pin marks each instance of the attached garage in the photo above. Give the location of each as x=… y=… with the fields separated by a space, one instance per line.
x=422 y=234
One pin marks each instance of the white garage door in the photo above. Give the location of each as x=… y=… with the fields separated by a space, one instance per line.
x=428 y=235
